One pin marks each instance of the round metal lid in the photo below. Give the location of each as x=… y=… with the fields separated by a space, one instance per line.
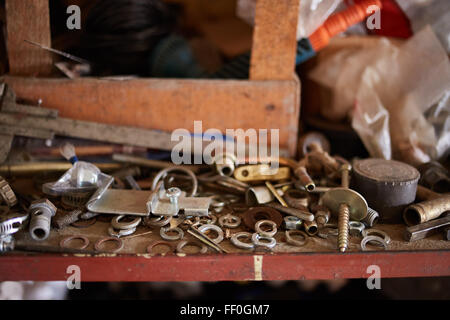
x=381 y=170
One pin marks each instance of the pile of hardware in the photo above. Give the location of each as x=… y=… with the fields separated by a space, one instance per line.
x=231 y=206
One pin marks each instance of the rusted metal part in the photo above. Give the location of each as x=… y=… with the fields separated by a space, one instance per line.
x=434 y=176
x=65 y=219
x=426 y=229
x=424 y=194
x=231 y=267
x=387 y=185
x=425 y=211
x=261 y=213
x=310 y=227
x=302 y=214
x=63 y=243
x=295 y=198
x=305 y=180
x=307 y=140
x=321 y=214
x=7 y=194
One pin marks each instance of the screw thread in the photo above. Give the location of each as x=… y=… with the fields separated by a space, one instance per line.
x=344 y=217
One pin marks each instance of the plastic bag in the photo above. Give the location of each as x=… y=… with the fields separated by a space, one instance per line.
x=83 y=176
x=312 y=14
x=433 y=12
x=406 y=84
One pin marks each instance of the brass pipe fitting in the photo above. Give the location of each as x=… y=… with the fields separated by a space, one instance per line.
x=426 y=211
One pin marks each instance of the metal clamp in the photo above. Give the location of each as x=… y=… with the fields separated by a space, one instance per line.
x=269 y=234
x=238 y=243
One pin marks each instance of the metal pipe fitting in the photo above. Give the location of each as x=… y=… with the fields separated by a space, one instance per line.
x=310 y=227
x=426 y=211
x=41 y=213
x=305 y=180
x=295 y=198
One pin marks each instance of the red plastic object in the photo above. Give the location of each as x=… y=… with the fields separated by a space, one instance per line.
x=394 y=22
x=340 y=22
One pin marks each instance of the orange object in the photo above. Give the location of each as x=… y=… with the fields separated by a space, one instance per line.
x=340 y=22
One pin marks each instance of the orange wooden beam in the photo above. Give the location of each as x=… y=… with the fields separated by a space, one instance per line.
x=274 y=40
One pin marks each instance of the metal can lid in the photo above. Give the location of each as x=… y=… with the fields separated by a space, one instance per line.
x=385 y=171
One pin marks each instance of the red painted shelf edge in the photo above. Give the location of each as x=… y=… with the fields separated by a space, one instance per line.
x=232 y=267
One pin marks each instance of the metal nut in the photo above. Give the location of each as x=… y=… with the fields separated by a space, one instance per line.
x=292 y=222
x=356 y=228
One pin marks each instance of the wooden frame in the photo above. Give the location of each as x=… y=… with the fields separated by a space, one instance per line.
x=270 y=99
x=230 y=267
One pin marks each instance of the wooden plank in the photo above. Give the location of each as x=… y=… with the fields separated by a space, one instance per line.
x=172 y=103
x=274 y=40
x=221 y=267
x=28 y=20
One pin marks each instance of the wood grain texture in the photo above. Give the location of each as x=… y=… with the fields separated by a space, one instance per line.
x=171 y=104
x=274 y=40
x=28 y=20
